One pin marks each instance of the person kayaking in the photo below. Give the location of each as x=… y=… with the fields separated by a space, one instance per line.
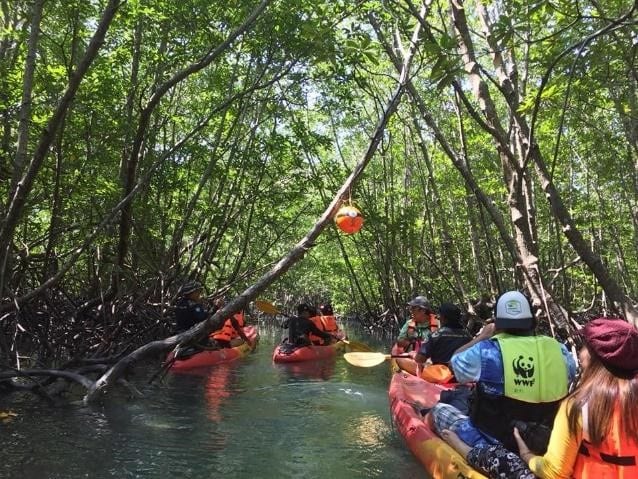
x=419 y=327
x=595 y=432
x=519 y=376
x=300 y=327
x=189 y=311
x=442 y=344
x=231 y=333
x=325 y=321
x=189 y=307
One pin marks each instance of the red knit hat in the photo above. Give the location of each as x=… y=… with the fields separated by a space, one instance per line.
x=614 y=341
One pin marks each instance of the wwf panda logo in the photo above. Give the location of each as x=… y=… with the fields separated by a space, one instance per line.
x=523 y=368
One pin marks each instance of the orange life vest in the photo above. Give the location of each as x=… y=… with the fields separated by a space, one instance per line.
x=615 y=458
x=324 y=323
x=227 y=331
x=437 y=373
x=432 y=323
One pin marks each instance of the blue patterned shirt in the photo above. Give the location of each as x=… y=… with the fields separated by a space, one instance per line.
x=483 y=363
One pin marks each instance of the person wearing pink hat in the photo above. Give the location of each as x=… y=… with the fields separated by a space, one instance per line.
x=595 y=433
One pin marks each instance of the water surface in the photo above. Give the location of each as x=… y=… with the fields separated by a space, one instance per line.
x=246 y=419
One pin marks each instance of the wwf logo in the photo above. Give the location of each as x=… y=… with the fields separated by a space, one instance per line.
x=524 y=369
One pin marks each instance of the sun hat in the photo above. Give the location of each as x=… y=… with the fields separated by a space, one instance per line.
x=513 y=311
x=420 y=302
x=614 y=341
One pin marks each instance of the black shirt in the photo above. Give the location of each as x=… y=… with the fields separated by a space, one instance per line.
x=188 y=313
x=299 y=328
x=442 y=344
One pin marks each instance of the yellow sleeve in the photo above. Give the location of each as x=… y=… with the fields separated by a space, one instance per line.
x=558 y=461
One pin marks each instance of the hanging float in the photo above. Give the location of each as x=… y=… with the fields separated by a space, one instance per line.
x=349 y=219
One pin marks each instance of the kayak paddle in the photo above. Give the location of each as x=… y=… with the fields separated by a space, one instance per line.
x=268 y=308
x=357 y=346
x=368 y=360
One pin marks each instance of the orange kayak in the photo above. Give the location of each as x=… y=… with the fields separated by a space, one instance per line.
x=284 y=354
x=215 y=356
x=408 y=394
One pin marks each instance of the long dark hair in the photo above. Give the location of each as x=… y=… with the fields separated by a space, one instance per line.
x=603 y=391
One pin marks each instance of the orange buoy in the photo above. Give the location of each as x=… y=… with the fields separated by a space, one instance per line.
x=349 y=219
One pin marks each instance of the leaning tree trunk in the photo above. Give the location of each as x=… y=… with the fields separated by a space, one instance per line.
x=513 y=161
x=296 y=254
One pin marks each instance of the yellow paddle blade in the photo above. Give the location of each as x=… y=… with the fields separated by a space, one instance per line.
x=357 y=346
x=266 y=307
x=365 y=360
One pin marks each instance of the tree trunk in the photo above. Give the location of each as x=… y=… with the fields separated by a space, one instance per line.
x=295 y=255
x=137 y=153
x=23 y=187
x=24 y=115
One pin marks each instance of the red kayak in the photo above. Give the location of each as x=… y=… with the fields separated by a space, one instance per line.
x=408 y=395
x=285 y=354
x=215 y=356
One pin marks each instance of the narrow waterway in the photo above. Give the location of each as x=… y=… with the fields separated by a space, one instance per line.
x=246 y=419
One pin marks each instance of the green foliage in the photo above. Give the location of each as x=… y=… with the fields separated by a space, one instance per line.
x=248 y=152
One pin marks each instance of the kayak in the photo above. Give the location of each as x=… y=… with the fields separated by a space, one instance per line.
x=408 y=394
x=214 y=356
x=284 y=354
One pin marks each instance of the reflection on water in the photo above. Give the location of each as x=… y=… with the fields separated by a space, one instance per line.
x=322 y=369
x=217 y=390
x=246 y=419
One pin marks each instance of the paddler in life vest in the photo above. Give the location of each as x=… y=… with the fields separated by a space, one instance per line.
x=519 y=376
x=325 y=321
x=300 y=327
x=595 y=433
x=441 y=345
x=231 y=334
x=419 y=327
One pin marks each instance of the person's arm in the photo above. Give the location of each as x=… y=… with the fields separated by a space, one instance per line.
x=424 y=352
x=241 y=332
x=403 y=341
x=239 y=329
x=486 y=333
x=466 y=365
x=312 y=327
x=558 y=461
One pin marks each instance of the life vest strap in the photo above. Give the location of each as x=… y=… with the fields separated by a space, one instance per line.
x=609 y=458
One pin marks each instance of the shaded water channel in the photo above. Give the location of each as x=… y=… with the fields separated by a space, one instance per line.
x=246 y=419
